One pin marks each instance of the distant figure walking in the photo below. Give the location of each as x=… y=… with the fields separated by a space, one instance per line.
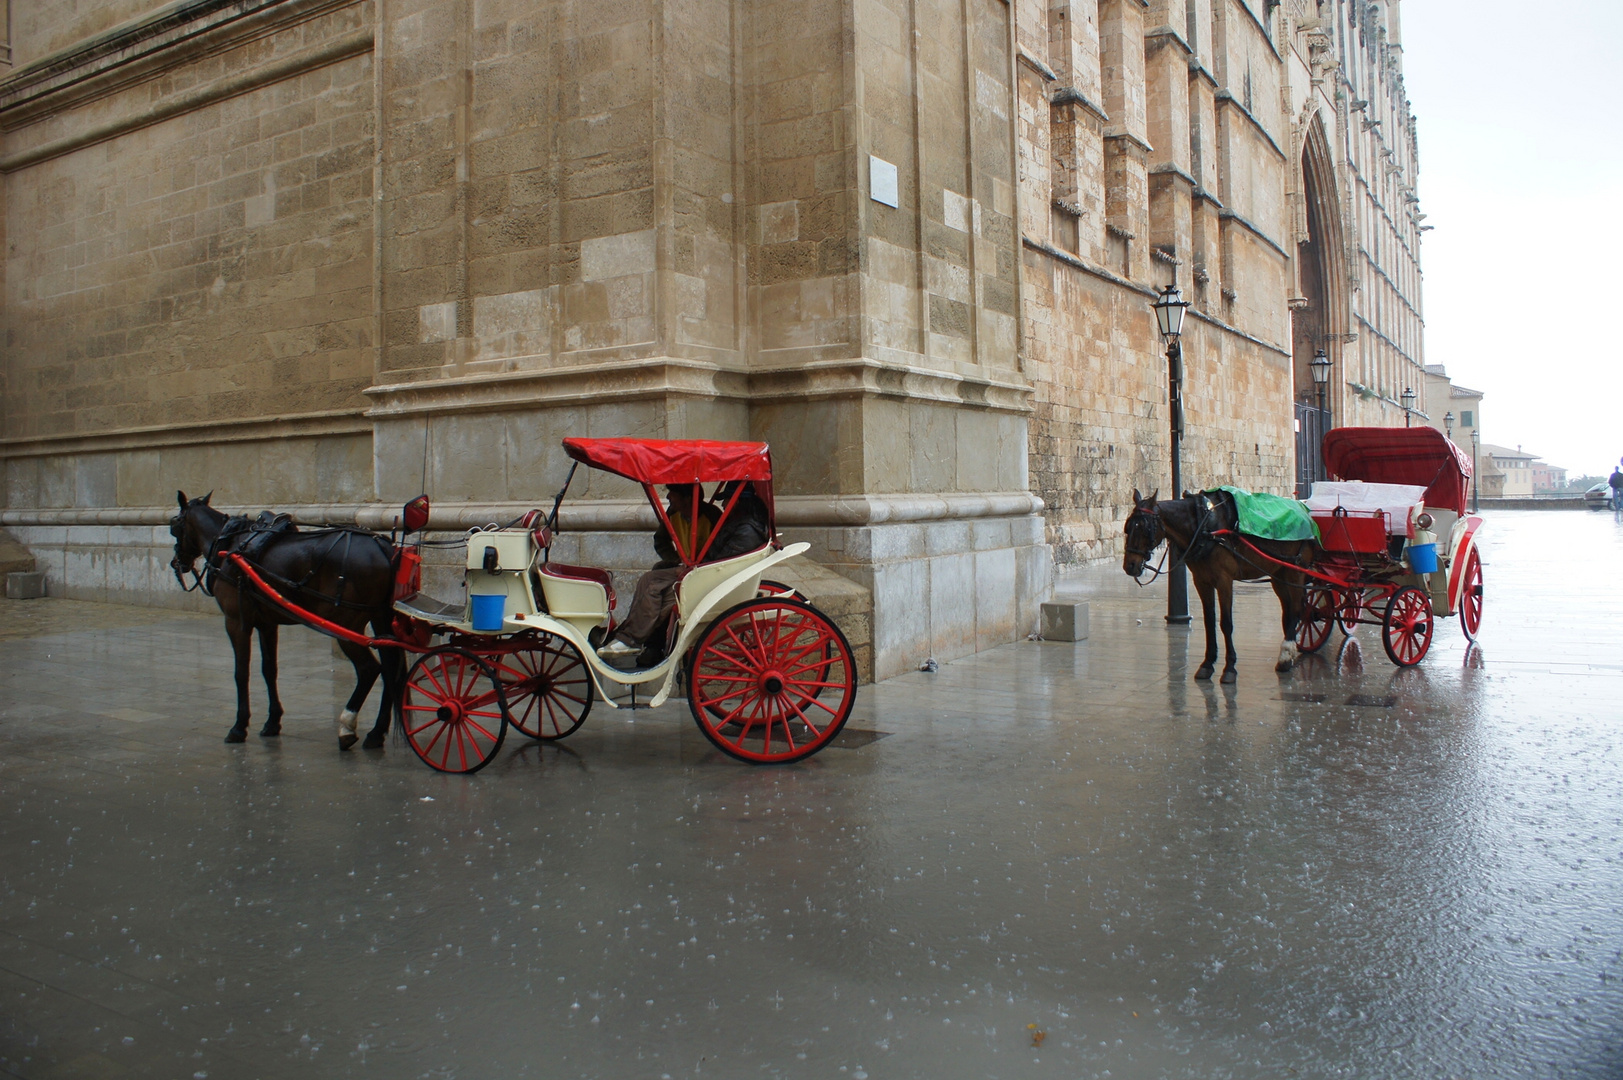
x=1616 y=483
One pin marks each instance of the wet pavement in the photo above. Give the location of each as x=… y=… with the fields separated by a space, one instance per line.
x=1057 y=861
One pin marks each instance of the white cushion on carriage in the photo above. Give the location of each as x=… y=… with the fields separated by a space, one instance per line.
x=1397 y=501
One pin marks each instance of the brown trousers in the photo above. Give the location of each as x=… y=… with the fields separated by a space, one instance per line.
x=651 y=605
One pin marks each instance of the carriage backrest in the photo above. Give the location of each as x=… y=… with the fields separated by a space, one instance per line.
x=701 y=581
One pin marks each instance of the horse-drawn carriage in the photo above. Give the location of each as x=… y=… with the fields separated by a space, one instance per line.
x=1399 y=547
x=768 y=677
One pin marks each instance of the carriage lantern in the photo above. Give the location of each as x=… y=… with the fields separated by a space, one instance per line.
x=1408 y=404
x=1320 y=366
x=1170 y=307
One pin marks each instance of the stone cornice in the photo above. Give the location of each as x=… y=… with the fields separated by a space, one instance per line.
x=1245 y=223
x=328 y=52
x=304 y=425
x=659 y=377
x=1227 y=99
x=584 y=515
x=1070 y=95
x=1086 y=267
x=1161 y=35
x=177 y=34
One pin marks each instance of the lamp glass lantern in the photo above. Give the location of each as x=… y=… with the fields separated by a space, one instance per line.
x=1448 y=424
x=1408 y=403
x=1320 y=366
x=1169 y=311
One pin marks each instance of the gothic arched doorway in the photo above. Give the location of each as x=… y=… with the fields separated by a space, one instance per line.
x=1319 y=309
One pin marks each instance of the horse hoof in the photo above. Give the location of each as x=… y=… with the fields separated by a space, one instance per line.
x=346 y=741
x=1230 y=677
x=1203 y=673
x=237 y=735
x=1283 y=665
x=373 y=742
x=268 y=732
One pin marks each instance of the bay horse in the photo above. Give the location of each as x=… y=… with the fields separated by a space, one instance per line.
x=1202 y=530
x=342 y=575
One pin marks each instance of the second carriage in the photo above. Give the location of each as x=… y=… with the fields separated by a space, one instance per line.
x=1399 y=541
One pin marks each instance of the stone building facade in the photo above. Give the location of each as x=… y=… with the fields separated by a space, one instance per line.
x=324 y=254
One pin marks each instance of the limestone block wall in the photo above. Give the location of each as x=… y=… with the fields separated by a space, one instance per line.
x=1193 y=193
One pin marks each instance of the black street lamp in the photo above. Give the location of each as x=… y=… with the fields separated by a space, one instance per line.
x=1476 y=439
x=1170 y=307
x=1320 y=366
x=1448 y=425
x=1408 y=404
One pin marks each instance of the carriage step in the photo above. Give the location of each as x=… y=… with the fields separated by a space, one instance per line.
x=1065 y=621
x=429 y=609
x=25 y=585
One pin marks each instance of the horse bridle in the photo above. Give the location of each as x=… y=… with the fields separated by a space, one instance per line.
x=1158 y=533
x=177 y=524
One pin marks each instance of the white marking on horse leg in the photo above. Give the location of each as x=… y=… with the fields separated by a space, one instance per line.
x=1287 y=649
x=348 y=722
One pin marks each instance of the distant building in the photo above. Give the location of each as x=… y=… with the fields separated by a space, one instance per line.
x=1547 y=477
x=1515 y=466
x=1443 y=397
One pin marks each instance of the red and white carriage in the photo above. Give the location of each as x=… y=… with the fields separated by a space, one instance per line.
x=769 y=678
x=1399 y=543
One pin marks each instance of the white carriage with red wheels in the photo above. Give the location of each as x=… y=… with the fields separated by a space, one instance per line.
x=768 y=677
x=1399 y=541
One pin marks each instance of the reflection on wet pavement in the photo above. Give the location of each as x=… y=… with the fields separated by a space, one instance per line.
x=1064 y=860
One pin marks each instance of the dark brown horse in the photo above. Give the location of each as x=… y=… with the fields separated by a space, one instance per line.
x=1201 y=531
x=342 y=575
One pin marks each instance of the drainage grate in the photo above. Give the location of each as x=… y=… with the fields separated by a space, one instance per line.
x=854 y=738
x=1373 y=701
x=1312 y=699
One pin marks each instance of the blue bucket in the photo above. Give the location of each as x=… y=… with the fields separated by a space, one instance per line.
x=487 y=612
x=1423 y=558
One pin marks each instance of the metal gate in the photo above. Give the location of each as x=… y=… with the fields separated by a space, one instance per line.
x=1311 y=424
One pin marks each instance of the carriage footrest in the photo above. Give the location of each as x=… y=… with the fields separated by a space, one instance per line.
x=428 y=609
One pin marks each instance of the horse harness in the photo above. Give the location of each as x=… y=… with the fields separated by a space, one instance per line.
x=1206 y=538
x=251 y=538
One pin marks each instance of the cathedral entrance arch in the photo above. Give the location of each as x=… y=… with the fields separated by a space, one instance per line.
x=1319 y=311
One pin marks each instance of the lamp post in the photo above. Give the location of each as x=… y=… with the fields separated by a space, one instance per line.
x=1408 y=404
x=1320 y=366
x=1169 y=311
x=1476 y=484
x=1448 y=425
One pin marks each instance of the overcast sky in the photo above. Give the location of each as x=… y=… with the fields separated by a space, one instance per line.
x=1520 y=145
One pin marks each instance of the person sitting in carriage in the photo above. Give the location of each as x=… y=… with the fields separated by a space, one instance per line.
x=744 y=530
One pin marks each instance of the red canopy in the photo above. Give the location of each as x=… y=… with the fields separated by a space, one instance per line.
x=675 y=461
x=1422 y=456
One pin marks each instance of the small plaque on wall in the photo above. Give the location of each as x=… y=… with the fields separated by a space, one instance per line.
x=882 y=181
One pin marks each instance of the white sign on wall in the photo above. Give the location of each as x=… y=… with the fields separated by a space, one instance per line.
x=882 y=185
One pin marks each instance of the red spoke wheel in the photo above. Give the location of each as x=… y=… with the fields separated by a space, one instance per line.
x=1471 y=597
x=1318 y=613
x=547 y=687
x=771 y=680
x=1349 y=609
x=1406 y=630
x=453 y=711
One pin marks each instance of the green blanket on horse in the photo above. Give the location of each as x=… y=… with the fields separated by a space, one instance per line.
x=1272 y=517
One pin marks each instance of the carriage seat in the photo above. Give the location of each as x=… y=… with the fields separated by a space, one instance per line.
x=582 y=595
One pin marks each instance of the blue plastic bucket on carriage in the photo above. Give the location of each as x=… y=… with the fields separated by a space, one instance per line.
x=1423 y=558
x=487 y=611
